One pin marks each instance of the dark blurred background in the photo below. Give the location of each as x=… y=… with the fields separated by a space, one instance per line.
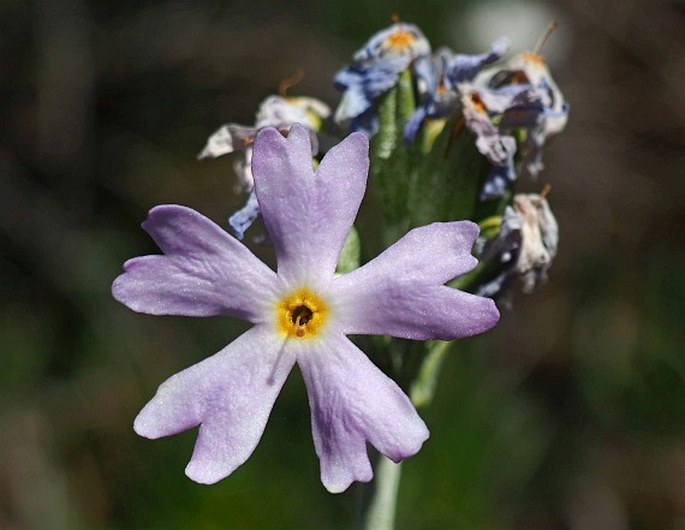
x=569 y=415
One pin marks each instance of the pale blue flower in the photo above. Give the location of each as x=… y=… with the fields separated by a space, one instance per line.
x=376 y=69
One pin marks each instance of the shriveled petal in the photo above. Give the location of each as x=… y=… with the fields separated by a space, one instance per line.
x=229 y=138
x=353 y=402
x=355 y=99
x=399 y=41
x=230 y=395
x=204 y=271
x=241 y=220
x=508 y=97
x=277 y=111
x=401 y=292
x=308 y=214
x=363 y=84
x=498 y=179
x=535 y=69
x=465 y=67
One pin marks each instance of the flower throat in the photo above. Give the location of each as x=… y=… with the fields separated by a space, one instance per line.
x=301 y=314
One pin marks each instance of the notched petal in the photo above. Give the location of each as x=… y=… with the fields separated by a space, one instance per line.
x=401 y=293
x=230 y=395
x=308 y=214
x=204 y=271
x=353 y=402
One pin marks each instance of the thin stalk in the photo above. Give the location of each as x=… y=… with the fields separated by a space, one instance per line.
x=423 y=387
x=380 y=514
x=381 y=511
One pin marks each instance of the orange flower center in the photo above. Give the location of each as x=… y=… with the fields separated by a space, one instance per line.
x=400 y=40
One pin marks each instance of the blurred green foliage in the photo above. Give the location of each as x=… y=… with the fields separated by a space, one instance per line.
x=569 y=415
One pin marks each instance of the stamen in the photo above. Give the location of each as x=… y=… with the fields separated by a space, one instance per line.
x=395 y=18
x=478 y=102
x=300 y=317
x=545 y=190
x=520 y=77
x=290 y=82
x=544 y=37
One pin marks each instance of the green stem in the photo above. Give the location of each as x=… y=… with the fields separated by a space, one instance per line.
x=423 y=387
x=381 y=512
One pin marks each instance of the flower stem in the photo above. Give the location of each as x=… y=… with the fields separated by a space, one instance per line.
x=381 y=511
x=423 y=387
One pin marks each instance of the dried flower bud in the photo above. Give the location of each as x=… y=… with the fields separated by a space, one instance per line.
x=525 y=246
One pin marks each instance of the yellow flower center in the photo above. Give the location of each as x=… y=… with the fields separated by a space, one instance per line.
x=301 y=314
x=400 y=40
x=534 y=58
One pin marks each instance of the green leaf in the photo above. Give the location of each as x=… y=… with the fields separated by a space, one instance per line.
x=391 y=159
x=349 y=256
x=423 y=386
x=446 y=184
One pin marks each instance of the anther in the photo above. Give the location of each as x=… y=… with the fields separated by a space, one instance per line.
x=301 y=320
x=290 y=82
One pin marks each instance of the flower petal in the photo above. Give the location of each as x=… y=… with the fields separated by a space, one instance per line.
x=353 y=402
x=401 y=292
x=308 y=214
x=230 y=395
x=229 y=138
x=241 y=220
x=465 y=67
x=279 y=111
x=204 y=271
x=399 y=41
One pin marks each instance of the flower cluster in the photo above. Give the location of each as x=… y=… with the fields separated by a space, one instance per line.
x=446 y=134
x=511 y=109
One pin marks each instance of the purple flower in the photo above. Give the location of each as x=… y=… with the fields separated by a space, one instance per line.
x=494 y=115
x=551 y=112
x=438 y=78
x=301 y=314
